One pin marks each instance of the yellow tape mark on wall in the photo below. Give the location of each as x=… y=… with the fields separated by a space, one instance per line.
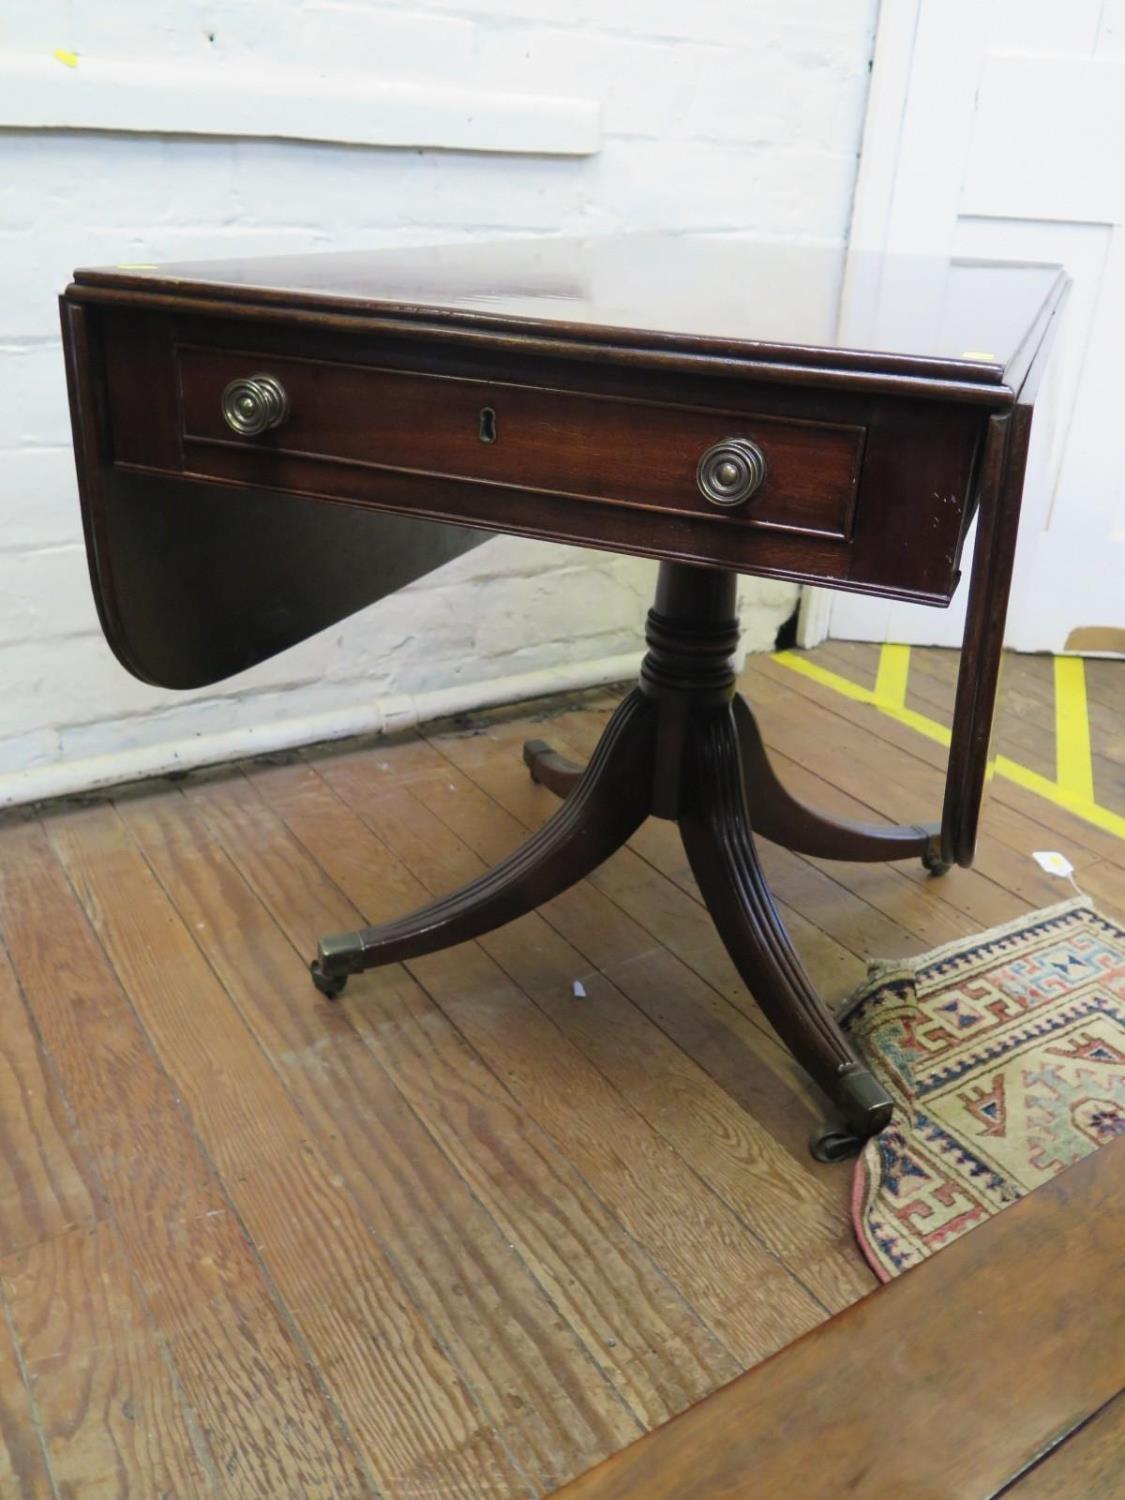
x=891 y=679
x=1077 y=802
x=68 y=59
x=1074 y=767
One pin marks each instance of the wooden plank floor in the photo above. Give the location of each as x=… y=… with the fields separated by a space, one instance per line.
x=467 y=1232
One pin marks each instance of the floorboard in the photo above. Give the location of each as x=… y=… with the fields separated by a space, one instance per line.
x=24 y=1468
x=502 y=1209
x=258 y=1402
x=111 y=1410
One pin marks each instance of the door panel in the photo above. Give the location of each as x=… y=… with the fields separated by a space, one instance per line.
x=993 y=132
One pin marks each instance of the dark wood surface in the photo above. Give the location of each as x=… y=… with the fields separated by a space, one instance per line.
x=1088 y=1465
x=954 y=1380
x=193 y=583
x=673 y=749
x=865 y=489
x=592 y=447
x=407 y=405
x=915 y=315
x=1003 y=464
x=605 y=368
x=250 y=1243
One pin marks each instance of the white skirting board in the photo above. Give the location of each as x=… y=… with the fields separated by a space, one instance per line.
x=383 y=716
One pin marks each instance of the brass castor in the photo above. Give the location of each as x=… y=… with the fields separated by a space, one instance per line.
x=933 y=862
x=834 y=1141
x=329 y=985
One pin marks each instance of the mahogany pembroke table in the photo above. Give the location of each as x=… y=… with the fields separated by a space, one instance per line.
x=267 y=446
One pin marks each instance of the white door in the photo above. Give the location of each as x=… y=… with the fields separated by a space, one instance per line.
x=997 y=130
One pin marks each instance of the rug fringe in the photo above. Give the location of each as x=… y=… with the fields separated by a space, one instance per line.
x=881 y=971
x=1006 y=929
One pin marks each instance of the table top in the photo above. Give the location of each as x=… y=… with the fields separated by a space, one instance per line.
x=772 y=301
x=885 y=396
x=958 y=1379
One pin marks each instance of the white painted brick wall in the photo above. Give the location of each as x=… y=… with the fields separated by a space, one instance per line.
x=721 y=116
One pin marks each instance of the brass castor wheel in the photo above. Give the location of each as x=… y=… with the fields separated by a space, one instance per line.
x=865 y=1109
x=833 y=1141
x=933 y=862
x=329 y=985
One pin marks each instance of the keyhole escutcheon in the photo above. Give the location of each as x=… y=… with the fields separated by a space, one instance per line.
x=487 y=428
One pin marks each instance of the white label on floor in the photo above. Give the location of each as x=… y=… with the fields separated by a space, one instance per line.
x=1053 y=862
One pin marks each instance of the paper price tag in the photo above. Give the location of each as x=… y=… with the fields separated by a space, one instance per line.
x=1053 y=862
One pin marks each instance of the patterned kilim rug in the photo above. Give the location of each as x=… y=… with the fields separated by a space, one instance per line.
x=1005 y=1055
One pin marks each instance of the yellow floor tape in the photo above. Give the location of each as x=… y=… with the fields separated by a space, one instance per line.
x=1073 y=788
x=1073 y=762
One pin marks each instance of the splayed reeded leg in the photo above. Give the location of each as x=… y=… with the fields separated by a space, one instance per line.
x=609 y=803
x=778 y=816
x=550 y=769
x=716 y=829
x=681 y=746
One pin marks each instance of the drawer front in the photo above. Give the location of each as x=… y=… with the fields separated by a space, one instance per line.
x=866 y=492
x=603 y=450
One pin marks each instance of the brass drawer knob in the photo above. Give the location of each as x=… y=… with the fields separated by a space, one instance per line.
x=254 y=404
x=730 y=471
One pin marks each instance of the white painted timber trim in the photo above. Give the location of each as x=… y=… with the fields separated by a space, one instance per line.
x=384 y=716
x=41 y=92
x=814 y=617
x=895 y=35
